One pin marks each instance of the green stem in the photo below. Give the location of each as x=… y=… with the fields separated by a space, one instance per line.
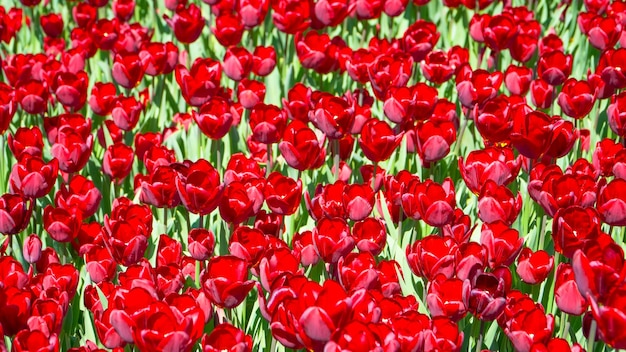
x=479 y=343
x=592 y=335
x=165 y=218
x=268 y=171
x=336 y=158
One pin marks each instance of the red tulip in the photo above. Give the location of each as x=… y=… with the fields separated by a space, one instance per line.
x=159 y=188
x=250 y=93
x=201 y=244
x=36 y=340
x=225 y=281
x=433 y=202
x=282 y=194
x=32 y=177
x=31 y=249
x=576 y=98
x=503 y=243
x=534 y=267
x=103 y=97
x=263 y=60
x=612 y=203
x=432 y=256
x=228 y=28
x=517 y=79
x=370 y=235
x=267 y=123
x=611 y=66
x=26 y=140
x=492 y=163
x=15 y=213
x=378 y=141
x=434 y=138
x=226 y=337
x=604 y=32
x=158 y=58
x=497 y=203
x=187 y=23
x=79 y=196
x=332 y=239
x=532 y=132
x=573 y=227
x=61 y=225
x=72 y=150
x=486 y=299
x=499 y=31
x=554 y=67
x=301 y=148
x=32 y=95
x=610 y=315
x=200 y=83
x=215 y=118
x=118 y=161
x=128 y=70
x=542 y=93
x=420 y=38
x=200 y=190
x=566 y=293
x=291 y=16
x=445 y=297
x=240 y=201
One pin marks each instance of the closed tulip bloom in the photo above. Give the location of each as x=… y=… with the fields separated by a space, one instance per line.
x=301 y=148
x=612 y=203
x=263 y=60
x=237 y=63
x=432 y=256
x=200 y=190
x=15 y=213
x=267 y=123
x=554 y=67
x=282 y=194
x=187 y=23
x=32 y=177
x=378 y=141
x=332 y=239
x=566 y=293
x=576 y=98
x=128 y=70
x=201 y=244
x=503 y=243
x=215 y=118
x=80 y=196
x=118 y=161
x=26 y=140
x=228 y=28
x=225 y=281
x=226 y=337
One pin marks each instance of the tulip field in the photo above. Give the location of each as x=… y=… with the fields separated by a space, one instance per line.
x=312 y=175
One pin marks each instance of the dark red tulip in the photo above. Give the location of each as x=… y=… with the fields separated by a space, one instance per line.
x=611 y=67
x=32 y=177
x=127 y=231
x=378 y=140
x=199 y=83
x=554 y=67
x=616 y=113
x=486 y=299
x=226 y=337
x=432 y=256
x=532 y=132
x=201 y=244
x=79 y=196
x=610 y=315
x=225 y=282
x=604 y=156
x=15 y=213
x=52 y=24
x=187 y=23
x=503 y=243
x=604 y=32
x=573 y=227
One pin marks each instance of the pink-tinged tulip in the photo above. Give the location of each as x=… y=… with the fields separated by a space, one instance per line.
x=128 y=70
x=576 y=98
x=187 y=23
x=616 y=113
x=32 y=177
x=611 y=67
x=31 y=249
x=240 y=200
x=529 y=327
x=604 y=32
x=215 y=117
x=301 y=148
x=433 y=202
x=517 y=79
x=100 y=264
x=267 y=123
x=15 y=213
x=612 y=203
x=542 y=93
x=478 y=87
x=225 y=281
x=433 y=255
x=250 y=93
x=554 y=67
x=303 y=246
x=503 y=243
x=201 y=244
x=263 y=60
x=433 y=140
x=36 y=340
x=358 y=271
x=226 y=337
x=103 y=97
x=199 y=83
x=248 y=244
x=420 y=38
x=332 y=239
x=237 y=63
x=566 y=293
x=61 y=225
x=497 y=203
x=127 y=231
x=445 y=297
x=358 y=201
x=159 y=58
x=492 y=163
x=609 y=315
x=534 y=267
x=291 y=16
x=33 y=96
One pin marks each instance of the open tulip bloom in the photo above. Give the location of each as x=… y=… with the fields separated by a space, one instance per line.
x=315 y=175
